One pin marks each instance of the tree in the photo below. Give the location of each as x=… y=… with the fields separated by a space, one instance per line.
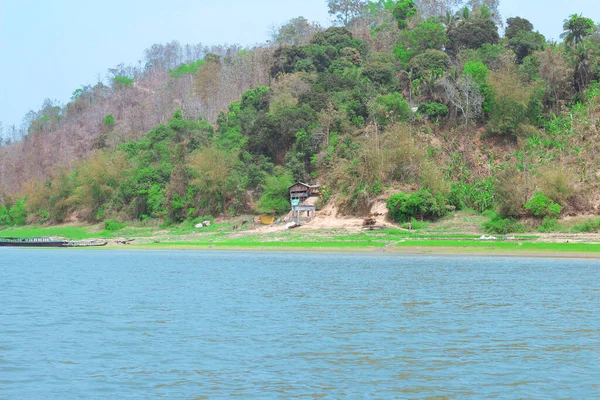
x=487 y=9
x=429 y=61
x=464 y=94
x=275 y=197
x=437 y=8
x=521 y=38
x=402 y=11
x=390 y=108
x=472 y=34
x=512 y=103
x=585 y=58
x=525 y=43
x=216 y=180
x=516 y=25
x=558 y=75
x=345 y=11
x=296 y=31
x=449 y=20
x=427 y=35
x=577 y=27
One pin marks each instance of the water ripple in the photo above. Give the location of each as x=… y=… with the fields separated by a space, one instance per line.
x=126 y=324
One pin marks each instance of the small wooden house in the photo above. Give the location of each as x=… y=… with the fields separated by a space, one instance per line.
x=300 y=191
x=303 y=207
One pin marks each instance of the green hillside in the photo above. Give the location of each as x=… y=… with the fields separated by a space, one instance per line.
x=434 y=113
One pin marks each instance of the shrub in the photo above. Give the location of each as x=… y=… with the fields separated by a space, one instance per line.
x=589 y=226
x=415 y=224
x=541 y=205
x=111 y=225
x=5 y=219
x=380 y=72
x=501 y=226
x=478 y=196
x=121 y=82
x=429 y=61
x=109 y=121
x=510 y=191
x=18 y=213
x=549 y=225
x=511 y=103
x=434 y=111
x=421 y=204
x=275 y=198
x=391 y=108
x=557 y=184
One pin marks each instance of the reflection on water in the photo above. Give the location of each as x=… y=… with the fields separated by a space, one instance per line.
x=201 y=325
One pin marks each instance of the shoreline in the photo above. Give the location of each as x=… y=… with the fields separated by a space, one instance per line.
x=421 y=250
x=393 y=241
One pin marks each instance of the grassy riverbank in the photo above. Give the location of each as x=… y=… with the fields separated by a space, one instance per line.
x=223 y=236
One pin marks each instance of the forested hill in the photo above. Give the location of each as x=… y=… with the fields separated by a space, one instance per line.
x=425 y=105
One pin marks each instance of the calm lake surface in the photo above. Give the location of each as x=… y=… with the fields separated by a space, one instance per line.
x=174 y=324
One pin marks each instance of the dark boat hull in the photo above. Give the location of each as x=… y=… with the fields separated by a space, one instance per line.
x=33 y=244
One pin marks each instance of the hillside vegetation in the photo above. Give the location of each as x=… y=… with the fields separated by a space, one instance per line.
x=416 y=102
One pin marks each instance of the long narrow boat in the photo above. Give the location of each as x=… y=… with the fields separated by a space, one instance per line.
x=30 y=242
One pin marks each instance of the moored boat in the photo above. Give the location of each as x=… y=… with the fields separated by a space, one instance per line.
x=30 y=242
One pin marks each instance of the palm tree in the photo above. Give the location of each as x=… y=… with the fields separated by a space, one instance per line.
x=484 y=12
x=576 y=27
x=464 y=14
x=584 y=72
x=429 y=86
x=449 y=20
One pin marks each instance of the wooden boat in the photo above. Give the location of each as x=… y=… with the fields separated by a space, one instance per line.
x=85 y=243
x=30 y=242
x=48 y=242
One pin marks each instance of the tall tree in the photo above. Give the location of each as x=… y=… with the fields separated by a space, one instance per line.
x=577 y=27
x=472 y=34
x=437 y=8
x=516 y=25
x=345 y=11
x=558 y=74
x=401 y=10
x=296 y=31
x=463 y=92
x=521 y=37
x=487 y=6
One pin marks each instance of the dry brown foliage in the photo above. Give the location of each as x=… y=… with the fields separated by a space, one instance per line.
x=382 y=158
x=558 y=74
x=511 y=191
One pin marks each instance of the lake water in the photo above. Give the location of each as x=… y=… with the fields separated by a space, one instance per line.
x=194 y=325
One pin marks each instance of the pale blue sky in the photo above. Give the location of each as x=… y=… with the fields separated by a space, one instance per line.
x=51 y=47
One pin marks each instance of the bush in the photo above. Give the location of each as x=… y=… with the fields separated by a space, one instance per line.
x=510 y=191
x=275 y=198
x=5 y=219
x=433 y=111
x=109 y=121
x=557 y=184
x=422 y=205
x=18 y=213
x=501 y=226
x=111 y=225
x=415 y=225
x=541 y=205
x=391 y=108
x=477 y=196
x=588 y=226
x=549 y=225
x=429 y=61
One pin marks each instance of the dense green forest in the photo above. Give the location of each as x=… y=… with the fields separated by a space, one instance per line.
x=430 y=112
